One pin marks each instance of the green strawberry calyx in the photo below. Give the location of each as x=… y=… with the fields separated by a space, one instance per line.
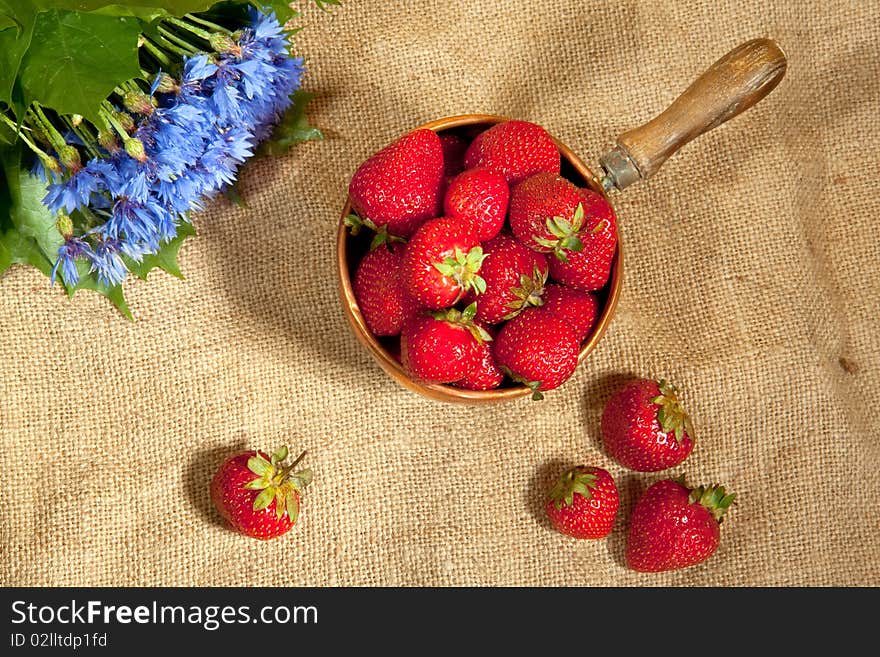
x=462 y=268
x=573 y=481
x=278 y=482
x=565 y=234
x=534 y=386
x=464 y=318
x=356 y=224
x=671 y=417
x=529 y=293
x=714 y=498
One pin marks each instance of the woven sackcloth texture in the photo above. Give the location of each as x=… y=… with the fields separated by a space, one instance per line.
x=751 y=281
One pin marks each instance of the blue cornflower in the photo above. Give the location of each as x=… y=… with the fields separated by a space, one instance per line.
x=194 y=142
x=135 y=221
x=73 y=248
x=223 y=157
x=76 y=190
x=197 y=68
x=107 y=262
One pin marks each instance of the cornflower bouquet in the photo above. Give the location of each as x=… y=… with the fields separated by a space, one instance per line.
x=117 y=121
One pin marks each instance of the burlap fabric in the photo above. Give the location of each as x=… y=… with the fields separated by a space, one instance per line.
x=751 y=281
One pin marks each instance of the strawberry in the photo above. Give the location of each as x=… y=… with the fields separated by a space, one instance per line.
x=399 y=187
x=575 y=308
x=551 y=215
x=542 y=208
x=673 y=526
x=515 y=149
x=514 y=277
x=257 y=494
x=487 y=375
x=588 y=269
x=440 y=263
x=442 y=347
x=583 y=503
x=382 y=300
x=478 y=196
x=645 y=428
x=454 y=148
x=537 y=349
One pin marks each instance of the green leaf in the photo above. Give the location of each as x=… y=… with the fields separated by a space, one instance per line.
x=166 y=258
x=292 y=506
x=26 y=213
x=258 y=465
x=304 y=478
x=14 y=42
x=282 y=8
x=115 y=294
x=76 y=59
x=293 y=129
x=279 y=455
x=264 y=499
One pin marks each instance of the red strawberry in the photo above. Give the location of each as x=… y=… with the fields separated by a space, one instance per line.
x=515 y=149
x=440 y=263
x=443 y=347
x=539 y=205
x=645 y=428
x=381 y=298
x=549 y=214
x=399 y=187
x=487 y=375
x=583 y=503
x=673 y=526
x=575 y=308
x=257 y=494
x=453 y=153
x=589 y=268
x=514 y=277
x=478 y=196
x=537 y=349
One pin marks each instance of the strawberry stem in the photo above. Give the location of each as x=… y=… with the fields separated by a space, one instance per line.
x=286 y=471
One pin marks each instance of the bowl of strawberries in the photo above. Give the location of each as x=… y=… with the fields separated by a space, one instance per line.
x=478 y=259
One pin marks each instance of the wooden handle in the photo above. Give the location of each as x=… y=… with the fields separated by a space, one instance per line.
x=731 y=85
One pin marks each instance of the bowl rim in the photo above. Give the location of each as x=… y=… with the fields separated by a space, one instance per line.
x=449 y=393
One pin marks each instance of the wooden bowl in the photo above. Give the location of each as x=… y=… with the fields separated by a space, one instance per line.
x=350 y=249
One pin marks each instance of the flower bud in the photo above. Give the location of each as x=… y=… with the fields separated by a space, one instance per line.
x=50 y=163
x=224 y=43
x=124 y=119
x=135 y=148
x=107 y=140
x=139 y=102
x=65 y=225
x=167 y=84
x=69 y=157
x=76 y=120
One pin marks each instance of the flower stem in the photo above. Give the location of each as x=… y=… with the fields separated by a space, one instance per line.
x=181 y=43
x=201 y=21
x=173 y=48
x=108 y=116
x=48 y=161
x=19 y=132
x=52 y=133
x=81 y=132
x=157 y=52
x=199 y=32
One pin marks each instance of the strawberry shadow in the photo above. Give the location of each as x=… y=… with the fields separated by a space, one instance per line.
x=630 y=486
x=539 y=487
x=198 y=475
